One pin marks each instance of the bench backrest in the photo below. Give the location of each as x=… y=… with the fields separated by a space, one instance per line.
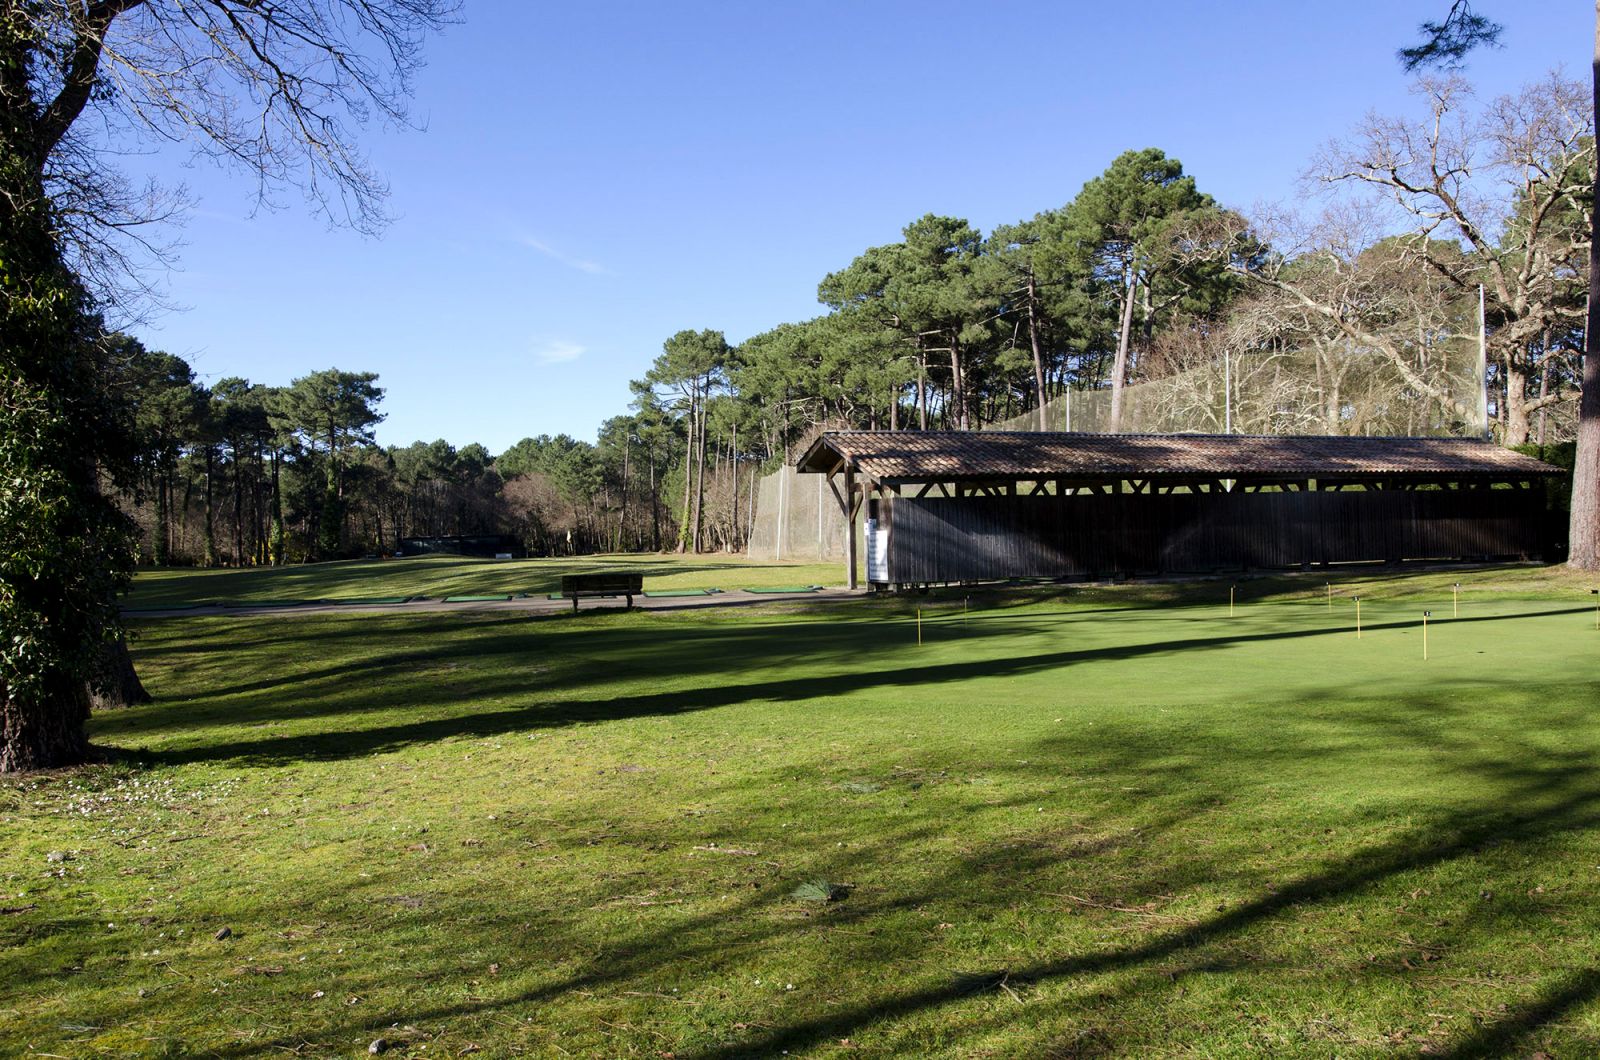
x=608 y=582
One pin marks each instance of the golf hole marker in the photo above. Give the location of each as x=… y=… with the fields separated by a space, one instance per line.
x=919 y=627
x=1357 y=599
x=1425 y=616
x=1596 y=594
x=1330 y=595
x=1455 y=600
x=1230 y=601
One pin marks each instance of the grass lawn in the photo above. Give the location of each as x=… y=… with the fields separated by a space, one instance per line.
x=1073 y=822
x=438 y=576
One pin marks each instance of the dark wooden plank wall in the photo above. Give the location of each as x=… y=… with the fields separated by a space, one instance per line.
x=935 y=539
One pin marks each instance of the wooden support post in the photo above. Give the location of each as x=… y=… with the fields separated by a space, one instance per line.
x=850 y=525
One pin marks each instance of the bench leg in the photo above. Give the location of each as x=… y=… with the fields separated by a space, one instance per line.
x=630 y=601
x=574 y=605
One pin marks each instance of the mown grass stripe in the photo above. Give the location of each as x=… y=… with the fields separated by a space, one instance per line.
x=268 y=603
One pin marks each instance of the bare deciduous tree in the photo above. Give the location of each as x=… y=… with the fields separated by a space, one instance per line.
x=1496 y=197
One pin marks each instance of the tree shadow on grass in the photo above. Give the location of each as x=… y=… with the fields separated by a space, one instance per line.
x=1529 y=797
x=638 y=654
x=1524 y=795
x=1524 y=1022
x=1533 y=801
x=434 y=575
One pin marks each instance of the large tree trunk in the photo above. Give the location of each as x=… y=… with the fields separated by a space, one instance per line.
x=1517 y=426
x=117 y=684
x=1584 y=532
x=958 y=385
x=45 y=733
x=1119 y=367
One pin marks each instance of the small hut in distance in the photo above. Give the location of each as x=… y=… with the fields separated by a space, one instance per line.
x=954 y=506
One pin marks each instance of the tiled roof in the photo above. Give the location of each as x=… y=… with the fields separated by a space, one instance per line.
x=933 y=455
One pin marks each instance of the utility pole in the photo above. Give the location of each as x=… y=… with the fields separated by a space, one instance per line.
x=1227 y=392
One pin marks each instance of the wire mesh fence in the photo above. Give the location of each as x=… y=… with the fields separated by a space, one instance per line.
x=797 y=518
x=1293 y=392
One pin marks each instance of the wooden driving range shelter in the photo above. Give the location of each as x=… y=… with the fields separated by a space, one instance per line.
x=955 y=506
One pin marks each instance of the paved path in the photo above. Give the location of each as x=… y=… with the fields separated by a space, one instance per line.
x=538 y=604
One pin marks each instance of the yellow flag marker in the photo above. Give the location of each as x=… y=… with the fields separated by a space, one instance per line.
x=1357 y=599
x=1455 y=600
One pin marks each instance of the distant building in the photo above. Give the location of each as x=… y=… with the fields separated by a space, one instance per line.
x=952 y=506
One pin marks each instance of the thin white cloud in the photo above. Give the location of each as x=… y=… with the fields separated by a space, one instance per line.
x=558 y=352
x=593 y=268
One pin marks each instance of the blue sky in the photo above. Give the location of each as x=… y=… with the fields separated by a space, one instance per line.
x=592 y=178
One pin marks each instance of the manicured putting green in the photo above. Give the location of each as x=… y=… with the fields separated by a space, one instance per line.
x=787 y=589
x=476 y=599
x=668 y=594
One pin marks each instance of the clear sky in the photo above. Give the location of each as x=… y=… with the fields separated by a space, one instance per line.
x=594 y=177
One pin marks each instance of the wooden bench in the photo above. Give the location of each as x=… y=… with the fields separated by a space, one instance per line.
x=612 y=583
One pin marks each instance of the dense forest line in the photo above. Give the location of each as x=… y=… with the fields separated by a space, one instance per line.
x=1357 y=313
